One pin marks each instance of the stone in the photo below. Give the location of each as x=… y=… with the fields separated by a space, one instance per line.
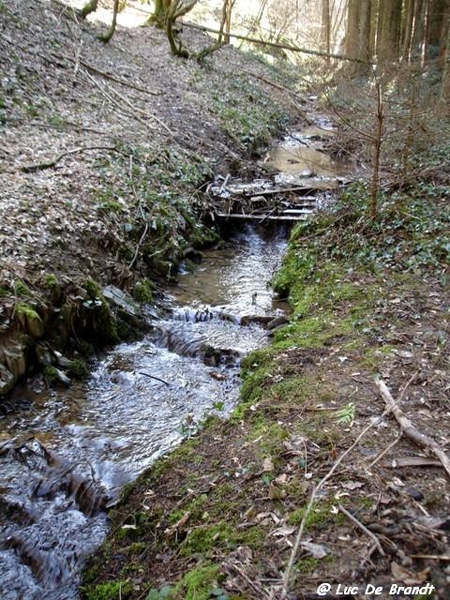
x=277 y=322
x=15 y=357
x=7 y=380
x=44 y=355
x=121 y=299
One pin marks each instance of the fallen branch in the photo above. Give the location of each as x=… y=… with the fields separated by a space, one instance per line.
x=154 y=377
x=144 y=233
x=287 y=573
x=363 y=528
x=282 y=46
x=418 y=438
x=52 y=163
x=104 y=74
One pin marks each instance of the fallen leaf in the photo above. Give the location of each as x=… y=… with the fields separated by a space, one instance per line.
x=317 y=550
x=283 y=531
x=407 y=577
x=268 y=465
x=276 y=493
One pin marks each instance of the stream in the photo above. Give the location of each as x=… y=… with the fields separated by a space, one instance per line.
x=66 y=454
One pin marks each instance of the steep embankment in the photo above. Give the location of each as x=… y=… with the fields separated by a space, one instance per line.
x=104 y=152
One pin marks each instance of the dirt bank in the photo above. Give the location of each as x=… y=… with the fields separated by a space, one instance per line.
x=105 y=151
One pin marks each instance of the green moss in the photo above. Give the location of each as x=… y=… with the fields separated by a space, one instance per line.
x=93 y=289
x=51 y=373
x=206 y=538
x=319 y=517
x=270 y=436
x=198 y=583
x=27 y=314
x=101 y=325
x=22 y=289
x=373 y=358
x=308 y=564
x=51 y=281
x=143 y=291
x=79 y=369
x=297 y=389
x=108 y=591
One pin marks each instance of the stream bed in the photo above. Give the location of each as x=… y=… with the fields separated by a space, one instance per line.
x=65 y=455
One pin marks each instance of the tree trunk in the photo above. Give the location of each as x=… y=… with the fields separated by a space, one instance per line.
x=407 y=30
x=105 y=37
x=326 y=28
x=158 y=18
x=351 y=35
x=89 y=8
x=445 y=89
x=229 y=4
x=440 y=25
x=225 y=24
x=358 y=36
x=176 y=10
x=388 y=31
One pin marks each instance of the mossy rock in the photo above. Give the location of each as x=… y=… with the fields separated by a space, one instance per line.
x=30 y=320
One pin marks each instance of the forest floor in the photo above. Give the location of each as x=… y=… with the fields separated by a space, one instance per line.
x=312 y=481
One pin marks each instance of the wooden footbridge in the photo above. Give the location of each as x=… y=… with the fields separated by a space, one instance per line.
x=263 y=200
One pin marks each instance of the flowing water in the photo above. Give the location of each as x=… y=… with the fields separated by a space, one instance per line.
x=64 y=456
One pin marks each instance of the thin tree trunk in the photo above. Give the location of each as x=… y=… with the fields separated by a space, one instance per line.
x=377 y=159
x=407 y=30
x=427 y=31
x=445 y=89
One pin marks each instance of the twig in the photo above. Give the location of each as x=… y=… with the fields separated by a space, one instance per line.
x=386 y=450
x=132 y=108
x=94 y=69
x=321 y=483
x=77 y=59
x=144 y=233
x=363 y=528
x=432 y=556
x=143 y=112
x=418 y=438
x=51 y=163
x=153 y=377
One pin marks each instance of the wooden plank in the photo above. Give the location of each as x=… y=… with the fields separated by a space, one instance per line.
x=320 y=187
x=262 y=217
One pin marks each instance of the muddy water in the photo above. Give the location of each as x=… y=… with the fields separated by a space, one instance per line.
x=300 y=158
x=64 y=456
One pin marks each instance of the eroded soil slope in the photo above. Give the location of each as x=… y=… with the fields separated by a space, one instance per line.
x=105 y=149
